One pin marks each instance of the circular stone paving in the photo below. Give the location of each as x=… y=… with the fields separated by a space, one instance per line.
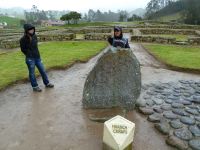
x=178 y=103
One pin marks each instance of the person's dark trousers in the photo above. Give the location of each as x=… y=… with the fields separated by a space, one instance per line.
x=31 y=63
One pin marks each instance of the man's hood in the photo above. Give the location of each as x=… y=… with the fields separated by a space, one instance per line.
x=28 y=27
x=117 y=28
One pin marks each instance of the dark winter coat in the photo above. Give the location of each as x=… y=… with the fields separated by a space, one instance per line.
x=29 y=43
x=118 y=41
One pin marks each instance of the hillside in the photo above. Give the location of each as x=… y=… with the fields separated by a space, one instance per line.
x=169 y=13
x=139 y=12
x=12 y=22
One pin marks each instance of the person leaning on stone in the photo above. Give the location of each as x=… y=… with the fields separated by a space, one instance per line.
x=29 y=46
x=118 y=40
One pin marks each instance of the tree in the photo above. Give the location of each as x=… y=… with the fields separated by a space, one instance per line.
x=73 y=15
x=22 y=22
x=91 y=15
x=156 y=5
x=66 y=17
x=192 y=11
x=123 y=15
x=135 y=18
x=35 y=16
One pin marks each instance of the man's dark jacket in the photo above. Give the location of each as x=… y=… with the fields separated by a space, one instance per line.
x=29 y=46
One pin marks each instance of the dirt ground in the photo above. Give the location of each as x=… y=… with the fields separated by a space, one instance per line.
x=55 y=120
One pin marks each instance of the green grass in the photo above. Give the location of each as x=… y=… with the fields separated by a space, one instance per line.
x=179 y=56
x=178 y=37
x=54 y=55
x=12 y=22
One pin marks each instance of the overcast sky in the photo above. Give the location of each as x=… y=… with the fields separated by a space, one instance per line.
x=77 y=5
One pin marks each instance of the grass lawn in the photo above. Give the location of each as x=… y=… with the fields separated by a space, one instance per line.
x=54 y=55
x=178 y=37
x=179 y=56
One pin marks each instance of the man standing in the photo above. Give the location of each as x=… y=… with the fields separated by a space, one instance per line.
x=118 y=40
x=29 y=46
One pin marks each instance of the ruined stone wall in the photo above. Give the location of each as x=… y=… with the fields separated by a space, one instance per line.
x=153 y=39
x=167 y=31
x=97 y=36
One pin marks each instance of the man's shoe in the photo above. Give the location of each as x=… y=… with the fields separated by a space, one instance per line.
x=50 y=85
x=37 y=89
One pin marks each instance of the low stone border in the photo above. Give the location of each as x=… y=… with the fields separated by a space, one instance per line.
x=44 y=37
x=97 y=36
x=194 y=40
x=153 y=39
x=167 y=26
x=167 y=31
x=56 y=37
x=174 y=108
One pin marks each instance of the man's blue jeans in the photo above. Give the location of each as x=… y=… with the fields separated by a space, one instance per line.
x=31 y=63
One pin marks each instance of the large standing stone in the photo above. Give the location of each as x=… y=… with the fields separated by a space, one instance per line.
x=114 y=81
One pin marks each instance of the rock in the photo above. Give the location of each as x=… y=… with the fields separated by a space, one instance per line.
x=140 y=102
x=174 y=98
x=157 y=109
x=197 y=118
x=195 y=144
x=163 y=127
x=195 y=130
x=150 y=102
x=146 y=111
x=168 y=101
x=187 y=120
x=196 y=99
x=176 y=124
x=180 y=112
x=166 y=107
x=158 y=101
x=114 y=81
x=185 y=102
x=170 y=115
x=192 y=107
x=176 y=142
x=150 y=93
x=177 y=105
x=183 y=134
x=154 y=117
x=190 y=99
x=192 y=111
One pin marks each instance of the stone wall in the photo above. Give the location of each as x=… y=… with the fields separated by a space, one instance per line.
x=89 y=30
x=167 y=26
x=153 y=39
x=194 y=40
x=11 y=43
x=14 y=42
x=167 y=31
x=97 y=36
x=55 y=37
